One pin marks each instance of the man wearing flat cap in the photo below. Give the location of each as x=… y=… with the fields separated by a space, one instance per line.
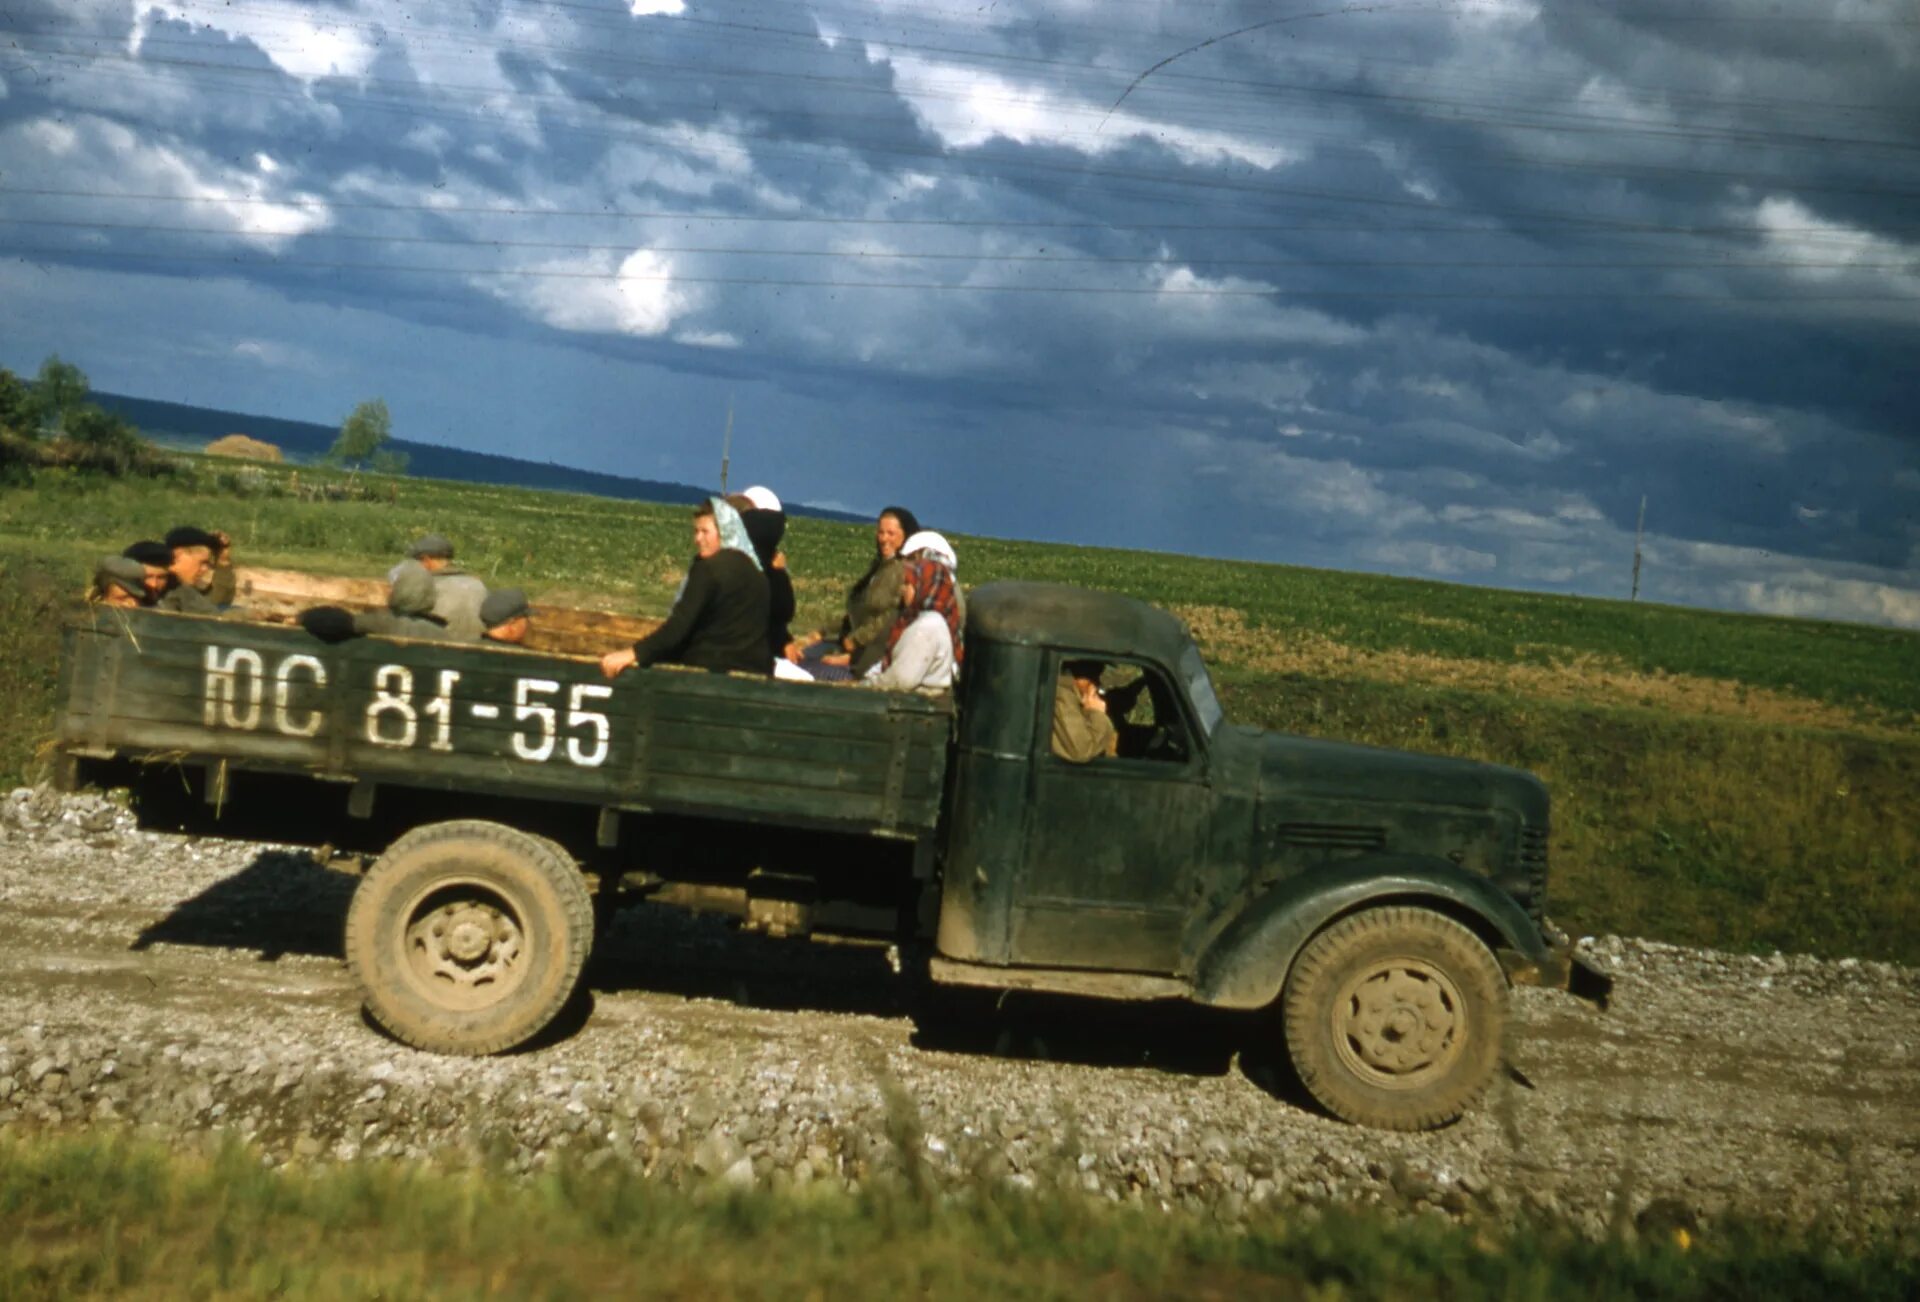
x=506 y=615
x=456 y=594
x=119 y=581
x=154 y=558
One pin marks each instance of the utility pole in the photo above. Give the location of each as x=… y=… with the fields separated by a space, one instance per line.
x=726 y=448
x=1638 y=530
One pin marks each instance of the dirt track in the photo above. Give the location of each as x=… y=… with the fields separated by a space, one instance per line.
x=196 y=987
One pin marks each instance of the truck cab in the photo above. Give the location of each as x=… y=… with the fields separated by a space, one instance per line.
x=1208 y=861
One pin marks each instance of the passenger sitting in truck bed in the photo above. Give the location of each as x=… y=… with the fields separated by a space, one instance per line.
x=924 y=645
x=766 y=525
x=507 y=616
x=118 y=581
x=872 y=602
x=408 y=613
x=154 y=557
x=192 y=557
x=719 y=620
x=456 y=594
x=216 y=579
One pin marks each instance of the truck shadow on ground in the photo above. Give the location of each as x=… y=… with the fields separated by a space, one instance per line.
x=283 y=902
x=663 y=952
x=287 y=902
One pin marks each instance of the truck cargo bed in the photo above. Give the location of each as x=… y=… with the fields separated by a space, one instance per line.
x=165 y=688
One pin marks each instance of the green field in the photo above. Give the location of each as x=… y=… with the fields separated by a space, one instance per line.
x=1731 y=780
x=103 y=1216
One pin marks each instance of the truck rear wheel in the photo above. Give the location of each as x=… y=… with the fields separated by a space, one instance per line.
x=1395 y=1018
x=469 y=937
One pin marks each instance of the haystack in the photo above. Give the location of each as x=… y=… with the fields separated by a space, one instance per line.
x=244 y=446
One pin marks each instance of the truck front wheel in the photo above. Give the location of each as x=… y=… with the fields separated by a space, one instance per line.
x=468 y=937
x=1395 y=1018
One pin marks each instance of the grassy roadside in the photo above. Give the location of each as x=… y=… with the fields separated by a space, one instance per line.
x=1724 y=780
x=83 y=1216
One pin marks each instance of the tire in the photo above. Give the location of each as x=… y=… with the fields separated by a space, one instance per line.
x=1395 y=1018
x=469 y=937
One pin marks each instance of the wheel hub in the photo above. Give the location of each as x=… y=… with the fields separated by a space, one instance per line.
x=466 y=942
x=1399 y=1022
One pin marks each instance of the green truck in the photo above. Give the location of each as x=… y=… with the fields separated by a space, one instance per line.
x=1374 y=906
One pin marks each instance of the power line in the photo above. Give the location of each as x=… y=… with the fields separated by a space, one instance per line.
x=613 y=214
x=37 y=254
x=896 y=255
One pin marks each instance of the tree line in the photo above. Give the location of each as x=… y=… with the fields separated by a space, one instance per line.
x=49 y=421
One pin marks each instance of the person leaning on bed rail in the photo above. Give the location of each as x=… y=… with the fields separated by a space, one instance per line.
x=719 y=620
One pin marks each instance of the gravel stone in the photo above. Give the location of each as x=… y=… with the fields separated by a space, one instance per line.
x=195 y=989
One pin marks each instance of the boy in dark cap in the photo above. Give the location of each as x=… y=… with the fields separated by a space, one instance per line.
x=456 y=594
x=507 y=616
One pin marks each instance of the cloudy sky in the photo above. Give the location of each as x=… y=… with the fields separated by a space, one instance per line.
x=1437 y=289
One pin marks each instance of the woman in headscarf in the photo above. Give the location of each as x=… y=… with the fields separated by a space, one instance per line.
x=719 y=620
x=924 y=645
x=766 y=525
x=872 y=603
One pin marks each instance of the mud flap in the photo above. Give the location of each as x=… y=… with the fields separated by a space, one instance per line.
x=1559 y=969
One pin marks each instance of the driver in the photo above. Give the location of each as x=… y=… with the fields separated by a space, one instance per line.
x=1090 y=721
x=1081 y=729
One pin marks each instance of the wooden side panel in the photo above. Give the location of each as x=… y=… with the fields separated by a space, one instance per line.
x=504 y=721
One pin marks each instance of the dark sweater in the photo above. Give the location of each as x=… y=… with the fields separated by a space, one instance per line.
x=779 y=610
x=719 y=623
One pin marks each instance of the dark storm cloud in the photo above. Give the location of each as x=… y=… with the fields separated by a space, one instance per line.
x=1433 y=292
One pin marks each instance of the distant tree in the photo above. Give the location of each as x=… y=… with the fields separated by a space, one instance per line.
x=363 y=434
x=58 y=391
x=388 y=462
x=101 y=430
x=16 y=404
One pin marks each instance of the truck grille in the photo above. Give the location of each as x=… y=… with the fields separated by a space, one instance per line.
x=1532 y=869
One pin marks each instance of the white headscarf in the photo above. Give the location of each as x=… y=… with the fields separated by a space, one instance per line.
x=733 y=530
x=934 y=545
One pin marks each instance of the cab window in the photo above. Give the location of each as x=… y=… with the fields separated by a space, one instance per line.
x=1107 y=710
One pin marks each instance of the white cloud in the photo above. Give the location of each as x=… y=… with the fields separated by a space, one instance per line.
x=1443 y=560
x=301 y=40
x=1792 y=232
x=666 y=8
x=1809 y=594
x=275 y=355
x=1322 y=497
x=966 y=107
x=99 y=147
x=638 y=297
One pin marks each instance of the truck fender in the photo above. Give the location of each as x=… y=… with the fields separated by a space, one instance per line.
x=1247 y=964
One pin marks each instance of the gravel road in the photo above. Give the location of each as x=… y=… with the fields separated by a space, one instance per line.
x=196 y=988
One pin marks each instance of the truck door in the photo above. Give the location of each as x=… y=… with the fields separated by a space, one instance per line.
x=1114 y=843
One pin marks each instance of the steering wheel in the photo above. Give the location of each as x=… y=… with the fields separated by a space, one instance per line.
x=1163 y=744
